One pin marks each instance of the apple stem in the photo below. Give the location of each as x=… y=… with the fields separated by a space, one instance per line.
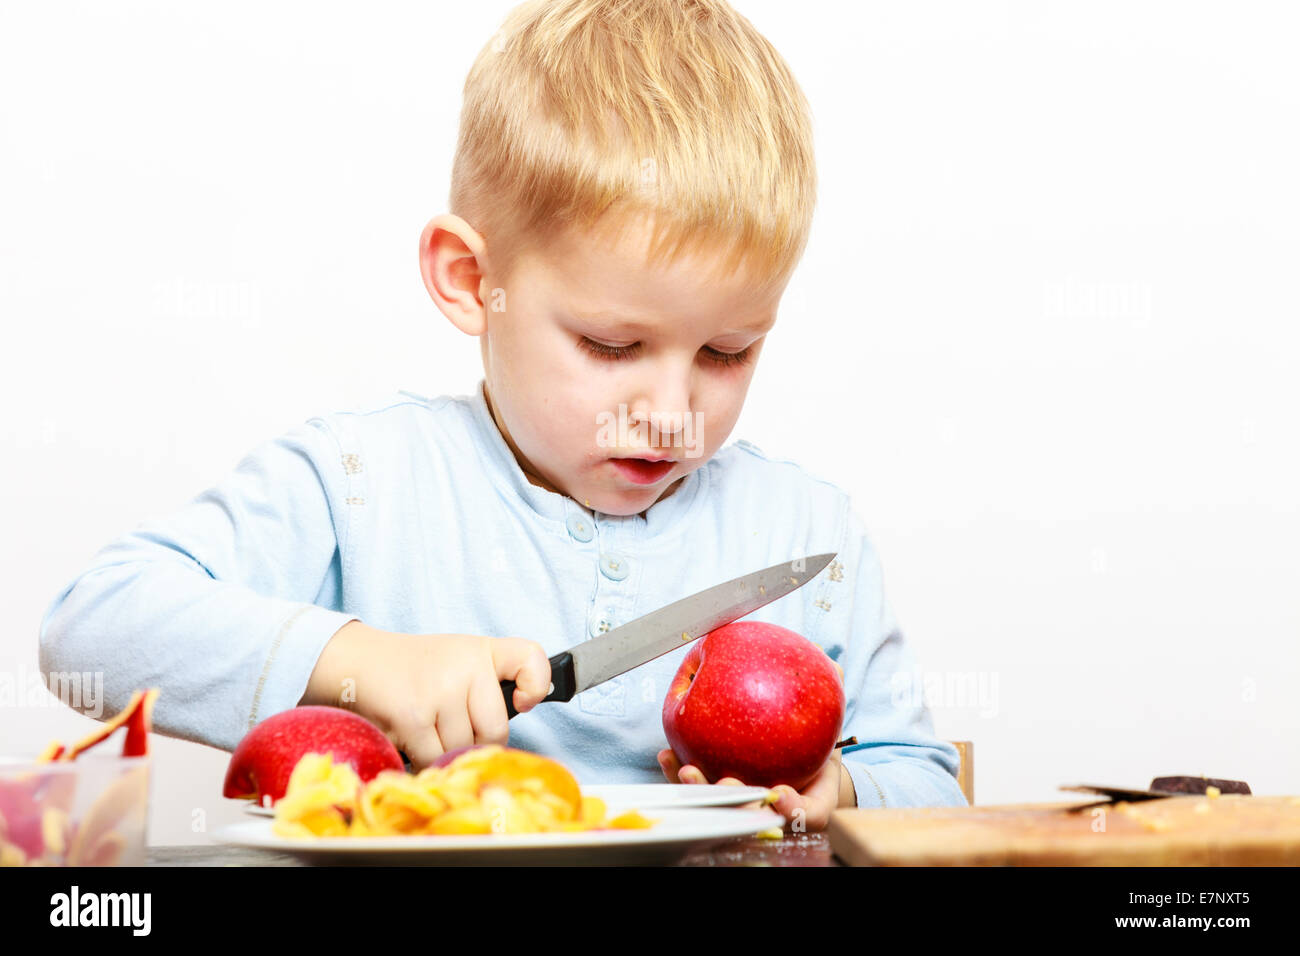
x=846 y=742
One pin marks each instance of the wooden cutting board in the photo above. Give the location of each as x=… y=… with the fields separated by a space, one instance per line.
x=1231 y=830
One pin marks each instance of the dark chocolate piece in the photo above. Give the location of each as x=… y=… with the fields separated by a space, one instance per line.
x=1197 y=785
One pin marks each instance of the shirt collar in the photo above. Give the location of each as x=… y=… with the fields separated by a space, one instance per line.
x=554 y=508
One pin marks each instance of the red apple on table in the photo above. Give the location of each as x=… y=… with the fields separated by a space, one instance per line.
x=263 y=761
x=757 y=702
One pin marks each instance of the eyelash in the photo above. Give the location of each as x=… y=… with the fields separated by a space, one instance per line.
x=613 y=354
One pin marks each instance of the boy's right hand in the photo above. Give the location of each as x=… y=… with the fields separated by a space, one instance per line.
x=429 y=693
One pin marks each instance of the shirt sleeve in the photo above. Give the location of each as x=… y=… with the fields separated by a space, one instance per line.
x=224 y=605
x=898 y=762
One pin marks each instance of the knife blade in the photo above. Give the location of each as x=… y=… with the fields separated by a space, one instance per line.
x=659 y=632
x=1160 y=788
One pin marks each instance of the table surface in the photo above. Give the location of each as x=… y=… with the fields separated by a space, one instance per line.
x=794 y=849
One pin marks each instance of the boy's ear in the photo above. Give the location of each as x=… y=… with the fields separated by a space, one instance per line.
x=452 y=263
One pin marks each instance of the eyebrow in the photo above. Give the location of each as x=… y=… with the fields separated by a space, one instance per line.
x=629 y=323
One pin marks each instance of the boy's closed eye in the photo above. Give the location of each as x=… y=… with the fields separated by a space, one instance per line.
x=618 y=353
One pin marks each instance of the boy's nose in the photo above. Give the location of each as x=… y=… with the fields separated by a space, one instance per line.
x=662 y=400
x=667 y=421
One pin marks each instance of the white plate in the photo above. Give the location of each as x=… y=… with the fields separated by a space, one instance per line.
x=643 y=796
x=639 y=796
x=676 y=832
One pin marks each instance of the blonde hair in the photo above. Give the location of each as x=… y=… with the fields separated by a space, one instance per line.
x=679 y=109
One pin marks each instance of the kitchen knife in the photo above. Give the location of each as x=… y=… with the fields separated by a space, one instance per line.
x=1160 y=788
x=655 y=634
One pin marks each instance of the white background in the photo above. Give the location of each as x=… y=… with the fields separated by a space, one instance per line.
x=1044 y=332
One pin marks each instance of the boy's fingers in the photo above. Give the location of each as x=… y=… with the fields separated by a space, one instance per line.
x=676 y=772
x=454 y=728
x=487 y=711
x=423 y=748
x=669 y=763
x=689 y=774
x=787 y=801
x=811 y=812
x=525 y=663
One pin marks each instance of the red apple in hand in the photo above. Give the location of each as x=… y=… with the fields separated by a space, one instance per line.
x=757 y=702
x=265 y=758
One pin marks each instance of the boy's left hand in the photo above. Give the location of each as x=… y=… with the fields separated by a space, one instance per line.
x=831 y=787
x=812 y=805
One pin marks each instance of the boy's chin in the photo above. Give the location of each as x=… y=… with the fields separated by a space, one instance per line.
x=623 y=504
x=616 y=506
x=620 y=511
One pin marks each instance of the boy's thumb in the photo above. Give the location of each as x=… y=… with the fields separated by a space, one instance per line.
x=524 y=662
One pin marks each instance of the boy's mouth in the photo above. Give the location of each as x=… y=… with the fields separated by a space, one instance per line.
x=643 y=471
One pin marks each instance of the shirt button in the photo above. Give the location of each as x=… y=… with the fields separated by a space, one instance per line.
x=601 y=623
x=614 y=566
x=580 y=527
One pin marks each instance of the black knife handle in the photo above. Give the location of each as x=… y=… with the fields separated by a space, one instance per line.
x=563 y=687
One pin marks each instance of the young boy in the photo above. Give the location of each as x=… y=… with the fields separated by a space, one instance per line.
x=632 y=188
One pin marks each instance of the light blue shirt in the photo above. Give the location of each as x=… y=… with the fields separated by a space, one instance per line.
x=414 y=516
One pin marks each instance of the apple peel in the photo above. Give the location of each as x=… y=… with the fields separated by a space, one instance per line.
x=136 y=717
